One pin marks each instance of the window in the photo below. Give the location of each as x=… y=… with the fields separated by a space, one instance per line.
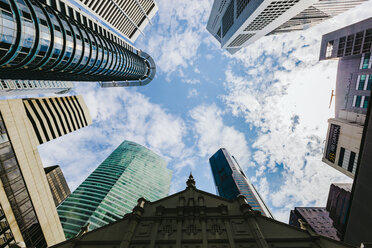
x=362 y=80
x=358 y=43
x=365 y=60
x=357 y=100
x=341 y=47
x=329 y=49
x=369 y=82
x=365 y=103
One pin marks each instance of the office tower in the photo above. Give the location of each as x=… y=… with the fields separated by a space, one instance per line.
x=359 y=217
x=57 y=183
x=351 y=45
x=317 y=218
x=338 y=205
x=194 y=218
x=24 y=87
x=231 y=181
x=238 y=23
x=128 y=17
x=131 y=171
x=60 y=41
x=25 y=196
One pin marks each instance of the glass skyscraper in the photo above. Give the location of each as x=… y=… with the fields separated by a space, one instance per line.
x=49 y=40
x=231 y=181
x=112 y=190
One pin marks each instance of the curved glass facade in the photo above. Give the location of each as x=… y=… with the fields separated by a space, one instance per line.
x=112 y=190
x=40 y=43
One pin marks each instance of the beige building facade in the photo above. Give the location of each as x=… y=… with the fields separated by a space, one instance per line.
x=343 y=141
x=196 y=219
x=25 y=194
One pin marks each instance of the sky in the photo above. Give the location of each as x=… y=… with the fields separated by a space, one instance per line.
x=267 y=105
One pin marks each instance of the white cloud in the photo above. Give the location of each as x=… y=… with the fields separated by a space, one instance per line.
x=191 y=81
x=212 y=134
x=284 y=93
x=192 y=93
x=118 y=114
x=179 y=31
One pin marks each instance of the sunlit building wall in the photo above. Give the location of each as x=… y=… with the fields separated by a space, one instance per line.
x=130 y=172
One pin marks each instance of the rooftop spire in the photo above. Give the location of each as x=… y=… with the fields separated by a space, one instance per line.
x=190 y=182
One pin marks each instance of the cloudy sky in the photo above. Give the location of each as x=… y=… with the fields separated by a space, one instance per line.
x=267 y=104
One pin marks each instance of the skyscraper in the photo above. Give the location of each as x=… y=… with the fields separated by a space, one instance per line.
x=57 y=183
x=238 y=23
x=231 y=181
x=351 y=45
x=131 y=171
x=25 y=196
x=60 y=41
x=24 y=87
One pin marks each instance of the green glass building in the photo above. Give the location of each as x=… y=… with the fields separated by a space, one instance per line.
x=112 y=190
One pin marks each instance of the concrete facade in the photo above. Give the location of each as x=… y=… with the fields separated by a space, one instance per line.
x=317 y=218
x=343 y=141
x=194 y=219
x=19 y=138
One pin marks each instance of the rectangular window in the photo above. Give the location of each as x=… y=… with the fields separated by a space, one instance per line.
x=367 y=41
x=366 y=61
x=341 y=157
x=349 y=45
x=369 y=82
x=329 y=49
x=358 y=43
x=358 y=100
x=341 y=47
x=362 y=81
x=365 y=103
x=351 y=162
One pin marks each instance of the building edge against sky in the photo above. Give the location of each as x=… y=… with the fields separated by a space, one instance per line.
x=231 y=181
x=67 y=43
x=26 y=198
x=238 y=23
x=131 y=171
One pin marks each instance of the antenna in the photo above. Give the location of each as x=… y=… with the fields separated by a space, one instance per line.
x=332 y=95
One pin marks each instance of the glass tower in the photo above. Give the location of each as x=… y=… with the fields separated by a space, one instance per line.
x=112 y=190
x=231 y=181
x=42 y=42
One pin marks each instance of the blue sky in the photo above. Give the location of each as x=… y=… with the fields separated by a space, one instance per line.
x=267 y=104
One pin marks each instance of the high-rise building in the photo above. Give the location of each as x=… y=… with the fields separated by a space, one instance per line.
x=351 y=45
x=128 y=18
x=63 y=41
x=25 y=196
x=317 y=218
x=338 y=204
x=25 y=87
x=231 y=181
x=131 y=171
x=238 y=23
x=57 y=183
x=194 y=218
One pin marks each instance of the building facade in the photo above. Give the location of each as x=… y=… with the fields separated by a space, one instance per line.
x=128 y=18
x=317 y=218
x=25 y=87
x=338 y=204
x=238 y=23
x=343 y=142
x=25 y=196
x=193 y=218
x=131 y=171
x=59 y=41
x=351 y=45
x=57 y=183
x=231 y=181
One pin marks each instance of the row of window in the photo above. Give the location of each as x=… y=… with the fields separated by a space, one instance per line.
x=364 y=82
x=355 y=43
x=360 y=101
x=348 y=160
x=366 y=61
